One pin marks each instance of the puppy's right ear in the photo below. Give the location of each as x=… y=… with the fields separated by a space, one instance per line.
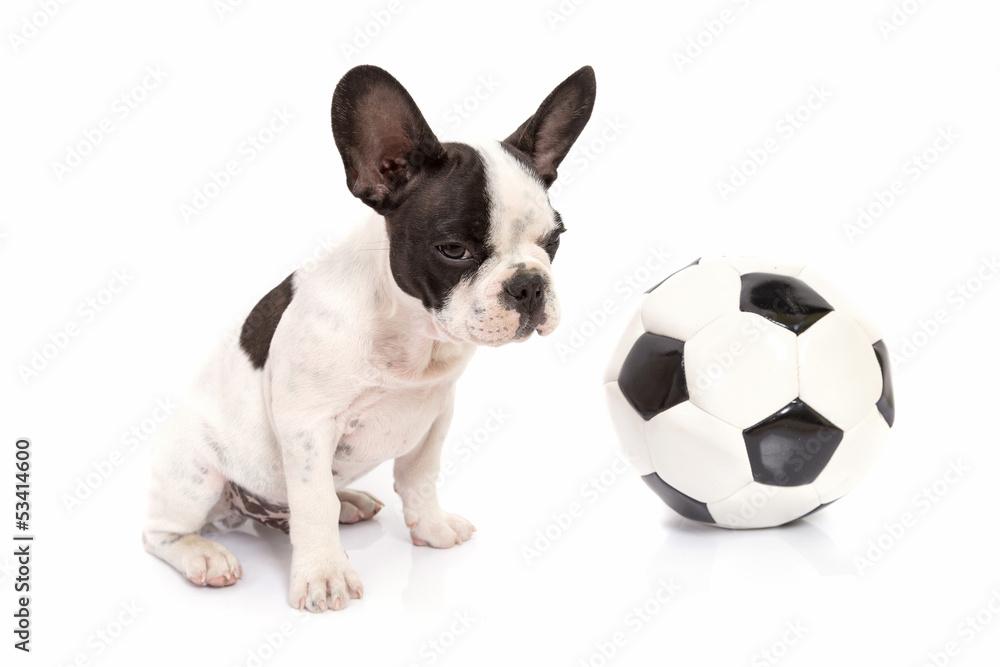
x=381 y=135
x=547 y=136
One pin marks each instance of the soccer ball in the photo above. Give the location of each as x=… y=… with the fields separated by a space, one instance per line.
x=749 y=393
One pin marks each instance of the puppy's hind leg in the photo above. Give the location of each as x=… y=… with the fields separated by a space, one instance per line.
x=183 y=494
x=357 y=506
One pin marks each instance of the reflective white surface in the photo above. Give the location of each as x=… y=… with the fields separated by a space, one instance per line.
x=574 y=557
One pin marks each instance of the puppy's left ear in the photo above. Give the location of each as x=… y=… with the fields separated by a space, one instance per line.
x=381 y=135
x=548 y=135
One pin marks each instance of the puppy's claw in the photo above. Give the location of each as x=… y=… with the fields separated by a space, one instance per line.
x=325 y=585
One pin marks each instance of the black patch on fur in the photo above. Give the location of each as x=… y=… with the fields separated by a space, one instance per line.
x=343 y=450
x=552 y=243
x=259 y=327
x=382 y=137
x=270 y=514
x=448 y=204
x=217 y=448
x=546 y=137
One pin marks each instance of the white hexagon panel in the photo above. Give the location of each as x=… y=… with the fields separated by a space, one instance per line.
x=736 y=353
x=747 y=396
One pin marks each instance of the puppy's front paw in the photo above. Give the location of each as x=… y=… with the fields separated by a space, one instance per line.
x=440 y=530
x=323 y=582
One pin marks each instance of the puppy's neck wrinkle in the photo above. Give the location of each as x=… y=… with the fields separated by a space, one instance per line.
x=408 y=343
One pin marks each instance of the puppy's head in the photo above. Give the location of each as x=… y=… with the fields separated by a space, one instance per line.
x=472 y=234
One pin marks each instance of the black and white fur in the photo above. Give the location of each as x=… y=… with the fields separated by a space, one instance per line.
x=351 y=364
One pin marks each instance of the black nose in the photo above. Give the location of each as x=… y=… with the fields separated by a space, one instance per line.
x=526 y=292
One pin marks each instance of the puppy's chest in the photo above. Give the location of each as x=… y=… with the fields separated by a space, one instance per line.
x=387 y=425
x=391 y=418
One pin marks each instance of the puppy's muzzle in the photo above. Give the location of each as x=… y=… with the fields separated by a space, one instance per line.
x=524 y=292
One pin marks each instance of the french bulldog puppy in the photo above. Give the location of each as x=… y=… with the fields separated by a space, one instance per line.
x=353 y=363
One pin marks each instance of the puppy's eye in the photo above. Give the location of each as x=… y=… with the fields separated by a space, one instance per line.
x=551 y=246
x=454 y=251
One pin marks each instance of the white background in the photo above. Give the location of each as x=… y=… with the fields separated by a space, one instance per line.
x=664 y=135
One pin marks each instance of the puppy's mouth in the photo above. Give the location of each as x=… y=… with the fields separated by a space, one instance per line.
x=510 y=327
x=493 y=322
x=529 y=325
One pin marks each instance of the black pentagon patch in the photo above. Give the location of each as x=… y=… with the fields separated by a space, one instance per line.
x=694 y=263
x=786 y=301
x=792 y=446
x=652 y=376
x=685 y=505
x=886 y=403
